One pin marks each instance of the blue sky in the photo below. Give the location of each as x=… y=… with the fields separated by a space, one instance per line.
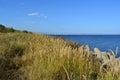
x=62 y=16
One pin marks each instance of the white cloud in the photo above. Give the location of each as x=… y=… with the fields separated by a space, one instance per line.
x=36 y=14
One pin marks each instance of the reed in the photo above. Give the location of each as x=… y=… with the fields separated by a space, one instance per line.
x=26 y=56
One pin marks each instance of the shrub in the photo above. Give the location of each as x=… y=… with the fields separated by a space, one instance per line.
x=10 y=29
x=2 y=28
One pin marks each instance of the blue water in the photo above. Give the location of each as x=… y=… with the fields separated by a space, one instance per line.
x=103 y=42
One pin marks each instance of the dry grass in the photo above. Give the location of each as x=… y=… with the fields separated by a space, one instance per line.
x=25 y=56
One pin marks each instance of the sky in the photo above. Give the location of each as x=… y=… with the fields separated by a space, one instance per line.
x=62 y=16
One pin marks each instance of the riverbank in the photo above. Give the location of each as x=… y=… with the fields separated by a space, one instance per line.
x=26 y=56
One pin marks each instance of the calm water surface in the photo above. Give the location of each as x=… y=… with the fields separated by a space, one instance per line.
x=103 y=42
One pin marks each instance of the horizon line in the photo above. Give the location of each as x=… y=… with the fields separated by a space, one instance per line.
x=72 y=34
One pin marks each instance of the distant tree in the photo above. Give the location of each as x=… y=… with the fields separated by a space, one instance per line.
x=25 y=31
x=2 y=28
x=10 y=29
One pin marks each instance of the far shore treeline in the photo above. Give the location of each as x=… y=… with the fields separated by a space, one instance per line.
x=4 y=29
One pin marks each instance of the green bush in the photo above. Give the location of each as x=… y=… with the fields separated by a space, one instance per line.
x=10 y=30
x=2 y=28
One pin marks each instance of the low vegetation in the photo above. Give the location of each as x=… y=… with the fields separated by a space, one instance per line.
x=25 y=56
x=4 y=29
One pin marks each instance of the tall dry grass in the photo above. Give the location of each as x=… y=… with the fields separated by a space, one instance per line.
x=25 y=56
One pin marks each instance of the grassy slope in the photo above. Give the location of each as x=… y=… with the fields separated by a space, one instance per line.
x=25 y=56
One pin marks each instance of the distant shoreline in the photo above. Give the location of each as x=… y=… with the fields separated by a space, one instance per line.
x=83 y=34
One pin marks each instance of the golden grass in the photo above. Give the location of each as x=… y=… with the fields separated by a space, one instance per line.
x=25 y=56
